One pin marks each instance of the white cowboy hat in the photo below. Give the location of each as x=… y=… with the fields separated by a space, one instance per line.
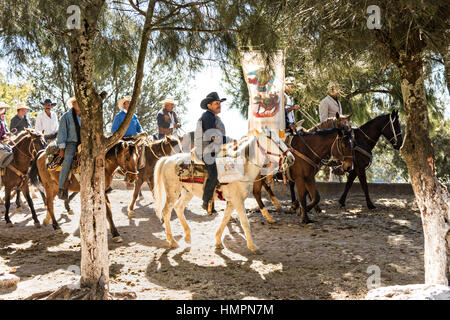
x=21 y=105
x=4 y=105
x=169 y=100
x=121 y=101
x=69 y=102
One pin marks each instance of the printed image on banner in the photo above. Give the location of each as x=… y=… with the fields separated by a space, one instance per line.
x=266 y=92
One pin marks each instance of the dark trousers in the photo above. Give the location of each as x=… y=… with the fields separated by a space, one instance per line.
x=211 y=182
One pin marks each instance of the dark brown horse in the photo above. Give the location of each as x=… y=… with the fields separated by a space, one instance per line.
x=25 y=149
x=309 y=150
x=123 y=155
x=153 y=152
x=339 y=122
x=366 y=137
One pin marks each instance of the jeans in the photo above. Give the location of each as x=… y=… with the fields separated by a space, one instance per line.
x=69 y=153
x=211 y=182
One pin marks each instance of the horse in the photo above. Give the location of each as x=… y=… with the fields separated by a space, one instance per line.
x=366 y=137
x=154 y=150
x=123 y=154
x=339 y=122
x=309 y=150
x=27 y=144
x=170 y=192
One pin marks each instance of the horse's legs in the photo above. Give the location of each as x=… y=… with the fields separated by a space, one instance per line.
x=226 y=218
x=272 y=196
x=26 y=192
x=295 y=202
x=166 y=213
x=181 y=203
x=7 y=204
x=50 y=212
x=137 y=190
x=115 y=234
x=18 y=200
x=301 y=211
x=351 y=177
x=67 y=202
x=239 y=205
x=257 y=185
x=363 y=181
x=312 y=190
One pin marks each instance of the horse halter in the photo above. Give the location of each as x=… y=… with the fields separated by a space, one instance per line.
x=394 y=134
x=125 y=172
x=336 y=143
x=161 y=144
x=32 y=152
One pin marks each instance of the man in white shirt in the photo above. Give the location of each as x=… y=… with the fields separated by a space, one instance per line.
x=47 y=121
x=289 y=105
x=330 y=104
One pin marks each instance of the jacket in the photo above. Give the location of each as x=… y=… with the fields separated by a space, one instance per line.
x=328 y=108
x=133 y=129
x=67 y=132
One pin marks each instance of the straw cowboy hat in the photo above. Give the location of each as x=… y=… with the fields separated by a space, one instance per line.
x=170 y=100
x=122 y=101
x=69 y=102
x=21 y=105
x=4 y=106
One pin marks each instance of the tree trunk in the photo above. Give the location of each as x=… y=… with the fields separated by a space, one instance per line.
x=93 y=229
x=432 y=197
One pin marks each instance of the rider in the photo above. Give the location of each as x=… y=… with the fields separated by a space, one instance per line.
x=289 y=105
x=134 y=128
x=47 y=121
x=330 y=104
x=68 y=139
x=4 y=133
x=20 y=121
x=167 y=119
x=209 y=136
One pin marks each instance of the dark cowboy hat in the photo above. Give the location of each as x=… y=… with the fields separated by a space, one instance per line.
x=213 y=96
x=48 y=101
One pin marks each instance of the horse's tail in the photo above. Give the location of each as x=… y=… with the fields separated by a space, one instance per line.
x=159 y=192
x=35 y=178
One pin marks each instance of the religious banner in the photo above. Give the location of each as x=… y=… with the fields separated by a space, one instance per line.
x=266 y=91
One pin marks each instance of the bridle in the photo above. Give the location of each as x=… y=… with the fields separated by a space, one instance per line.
x=394 y=134
x=32 y=151
x=340 y=154
x=126 y=171
x=161 y=144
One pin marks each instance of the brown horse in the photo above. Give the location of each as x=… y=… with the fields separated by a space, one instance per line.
x=339 y=122
x=26 y=147
x=154 y=150
x=123 y=155
x=309 y=150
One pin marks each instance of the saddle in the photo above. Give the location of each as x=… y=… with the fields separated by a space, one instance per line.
x=54 y=160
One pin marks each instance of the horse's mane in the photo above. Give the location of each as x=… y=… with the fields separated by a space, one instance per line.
x=322 y=132
x=374 y=119
x=118 y=147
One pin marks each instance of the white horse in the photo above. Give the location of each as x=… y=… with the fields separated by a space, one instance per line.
x=171 y=193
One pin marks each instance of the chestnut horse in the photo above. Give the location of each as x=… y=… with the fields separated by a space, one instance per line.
x=339 y=122
x=26 y=146
x=123 y=155
x=309 y=150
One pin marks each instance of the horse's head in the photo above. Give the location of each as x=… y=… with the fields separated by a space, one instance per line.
x=276 y=149
x=343 y=121
x=342 y=149
x=127 y=159
x=171 y=144
x=36 y=142
x=392 y=131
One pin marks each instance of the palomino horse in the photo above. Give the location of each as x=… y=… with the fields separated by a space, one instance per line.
x=309 y=151
x=26 y=147
x=170 y=192
x=123 y=155
x=153 y=152
x=366 y=137
x=339 y=122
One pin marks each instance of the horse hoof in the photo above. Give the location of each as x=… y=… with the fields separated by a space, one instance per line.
x=279 y=209
x=37 y=225
x=141 y=198
x=70 y=212
x=372 y=207
x=257 y=251
x=187 y=240
x=117 y=239
x=9 y=225
x=58 y=231
x=46 y=222
x=130 y=214
x=219 y=246
x=271 y=221
x=173 y=245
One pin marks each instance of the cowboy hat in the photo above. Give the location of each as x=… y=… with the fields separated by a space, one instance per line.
x=169 y=100
x=70 y=101
x=4 y=105
x=21 y=105
x=334 y=85
x=121 y=101
x=211 y=97
x=48 y=101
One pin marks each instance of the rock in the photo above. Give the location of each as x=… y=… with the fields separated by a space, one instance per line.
x=8 y=280
x=410 y=292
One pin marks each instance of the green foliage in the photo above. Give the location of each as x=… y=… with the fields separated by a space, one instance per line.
x=12 y=94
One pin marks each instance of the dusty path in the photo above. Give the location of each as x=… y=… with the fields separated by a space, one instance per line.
x=326 y=260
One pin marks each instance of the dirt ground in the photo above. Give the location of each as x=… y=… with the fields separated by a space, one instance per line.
x=328 y=259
